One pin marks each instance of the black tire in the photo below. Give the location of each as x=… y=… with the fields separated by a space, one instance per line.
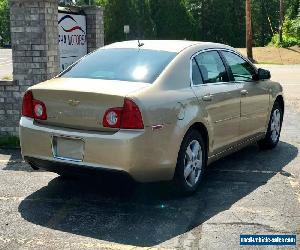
x=268 y=142
x=181 y=184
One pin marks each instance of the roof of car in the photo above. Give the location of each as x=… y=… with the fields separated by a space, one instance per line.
x=164 y=45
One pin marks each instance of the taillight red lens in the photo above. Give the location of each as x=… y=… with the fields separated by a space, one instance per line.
x=131 y=117
x=27 y=108
x=33 y=108
x=127 y=117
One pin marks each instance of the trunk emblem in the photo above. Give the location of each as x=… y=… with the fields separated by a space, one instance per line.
x=73 y=103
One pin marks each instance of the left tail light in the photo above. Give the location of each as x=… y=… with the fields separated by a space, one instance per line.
x=127 y=117
x=32 y=108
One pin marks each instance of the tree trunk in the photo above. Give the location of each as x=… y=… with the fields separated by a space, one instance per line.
x=281 y=20
x=249 y=36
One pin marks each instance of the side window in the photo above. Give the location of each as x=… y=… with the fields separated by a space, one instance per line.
x=212 y=67
x=241 y=69
x=196 y=75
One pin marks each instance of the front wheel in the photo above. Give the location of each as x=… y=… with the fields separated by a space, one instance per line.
x=274 y=129
x=191 y=162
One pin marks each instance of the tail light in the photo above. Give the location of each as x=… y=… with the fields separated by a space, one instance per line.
x=127 y=117
x=33 y=108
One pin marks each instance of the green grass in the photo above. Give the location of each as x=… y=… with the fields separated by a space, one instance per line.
x=9 y=142
x=266 y=62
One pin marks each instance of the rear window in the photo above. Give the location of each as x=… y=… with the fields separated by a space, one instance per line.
x=136 y=65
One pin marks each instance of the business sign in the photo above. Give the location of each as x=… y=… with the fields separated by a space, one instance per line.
x=71 y=38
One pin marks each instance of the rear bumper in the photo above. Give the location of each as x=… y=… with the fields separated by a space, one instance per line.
x=61 y=167
x=138 y=153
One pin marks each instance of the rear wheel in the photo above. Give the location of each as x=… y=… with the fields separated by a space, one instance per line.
x=191 y=163
x=273 y=133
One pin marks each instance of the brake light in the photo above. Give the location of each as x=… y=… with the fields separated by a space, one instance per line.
x=131 y=117
x=127 y=117
x=27 y=109
x=112 y=118
x=33 y=108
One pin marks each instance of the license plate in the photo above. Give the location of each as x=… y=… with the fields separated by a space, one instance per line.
x=68 y=148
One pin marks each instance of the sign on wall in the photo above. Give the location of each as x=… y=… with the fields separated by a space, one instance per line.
x=72 y=38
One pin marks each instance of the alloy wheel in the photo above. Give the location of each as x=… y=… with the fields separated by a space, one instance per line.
x=193 y=163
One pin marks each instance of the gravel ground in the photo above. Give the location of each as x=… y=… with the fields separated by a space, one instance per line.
x=249 y=192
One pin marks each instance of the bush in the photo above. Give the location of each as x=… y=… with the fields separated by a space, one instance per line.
x=290 y=34
x=9 y=142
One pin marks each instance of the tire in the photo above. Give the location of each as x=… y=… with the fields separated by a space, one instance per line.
x=274 y=128
x=190 y=166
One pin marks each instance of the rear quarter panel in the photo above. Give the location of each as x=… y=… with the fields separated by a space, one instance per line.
x=171 y=102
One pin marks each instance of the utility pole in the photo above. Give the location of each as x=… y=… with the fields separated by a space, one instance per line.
x=249 y=35
x=281 y=20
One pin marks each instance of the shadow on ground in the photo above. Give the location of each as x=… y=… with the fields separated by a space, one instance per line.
x=147 y=215
x=15 y=162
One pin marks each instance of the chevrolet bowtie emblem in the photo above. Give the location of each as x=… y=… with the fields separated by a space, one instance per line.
x=73 y=103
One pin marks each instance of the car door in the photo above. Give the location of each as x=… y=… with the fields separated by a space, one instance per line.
x=218 y=97
x=254 y=95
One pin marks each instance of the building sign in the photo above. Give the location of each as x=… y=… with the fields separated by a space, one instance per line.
x=71 y=38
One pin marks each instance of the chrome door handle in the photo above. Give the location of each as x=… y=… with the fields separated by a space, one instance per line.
x=244 y=92
x=207 y=97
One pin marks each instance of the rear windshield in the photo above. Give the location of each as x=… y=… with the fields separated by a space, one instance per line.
x=136 y=65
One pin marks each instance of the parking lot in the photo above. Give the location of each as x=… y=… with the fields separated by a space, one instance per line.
x=249 y=192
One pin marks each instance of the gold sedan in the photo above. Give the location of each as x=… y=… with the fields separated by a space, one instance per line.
x=156 y=110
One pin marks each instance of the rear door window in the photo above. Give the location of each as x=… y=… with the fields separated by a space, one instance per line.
x=212 y=67
x=196 y=75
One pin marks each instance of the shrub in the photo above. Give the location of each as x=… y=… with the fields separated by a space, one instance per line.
x=290 y=34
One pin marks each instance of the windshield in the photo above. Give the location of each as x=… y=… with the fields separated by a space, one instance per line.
x=136 y=65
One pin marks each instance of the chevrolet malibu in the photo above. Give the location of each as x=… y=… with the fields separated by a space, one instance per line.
x=155 y=110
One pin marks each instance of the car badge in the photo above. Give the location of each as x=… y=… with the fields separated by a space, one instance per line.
x=73 y=103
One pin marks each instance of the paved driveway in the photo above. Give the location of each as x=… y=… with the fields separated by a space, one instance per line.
x=5 y=63
x=249 y=192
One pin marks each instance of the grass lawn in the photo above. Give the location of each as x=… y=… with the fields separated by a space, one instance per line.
x=272 y=55
x=9 y=142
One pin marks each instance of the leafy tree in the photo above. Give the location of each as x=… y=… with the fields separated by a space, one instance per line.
x=4 y=22
x=219 y=20
x=172 y=19
x=135 y=13
x=207 y=20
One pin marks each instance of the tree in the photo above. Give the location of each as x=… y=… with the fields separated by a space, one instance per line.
x=4 y=22
x=281 y=19
x=135 y=13
x=172 y=20
x=249 y=42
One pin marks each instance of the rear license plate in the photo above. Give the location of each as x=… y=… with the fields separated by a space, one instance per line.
x=68 y=148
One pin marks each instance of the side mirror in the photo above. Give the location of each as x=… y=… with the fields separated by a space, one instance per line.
x=262 y=74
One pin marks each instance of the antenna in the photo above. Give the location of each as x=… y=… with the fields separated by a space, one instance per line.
x=140 y=44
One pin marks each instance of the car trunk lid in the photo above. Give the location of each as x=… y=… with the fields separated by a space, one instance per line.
x=81 y=103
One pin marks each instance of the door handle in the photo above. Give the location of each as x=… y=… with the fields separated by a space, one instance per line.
x=244 y=92
x=207 y=97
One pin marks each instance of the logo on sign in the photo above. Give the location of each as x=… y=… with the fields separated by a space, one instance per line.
x=72 y=38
